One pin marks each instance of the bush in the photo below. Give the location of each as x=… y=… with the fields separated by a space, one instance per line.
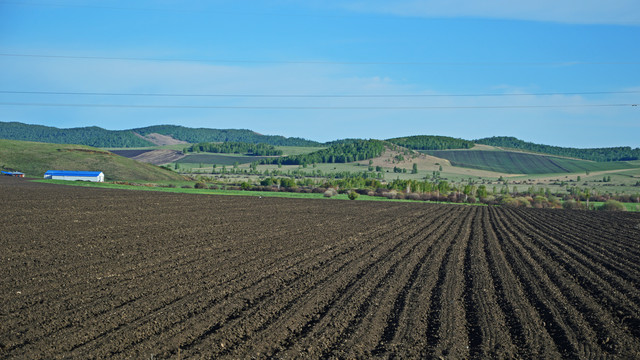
x=353 y=195
x=612 y=205
x=200 y=185
x=573 y=205
x=391 y=194
x=330 y=192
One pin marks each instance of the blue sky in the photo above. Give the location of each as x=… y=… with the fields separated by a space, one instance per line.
x=325 y=70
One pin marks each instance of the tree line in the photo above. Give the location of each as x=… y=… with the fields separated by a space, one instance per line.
x=342 y=152
x=235 y=148
x=622 y=153
x=425 y=142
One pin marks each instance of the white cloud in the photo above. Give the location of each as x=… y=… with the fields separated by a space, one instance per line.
x=619 y=12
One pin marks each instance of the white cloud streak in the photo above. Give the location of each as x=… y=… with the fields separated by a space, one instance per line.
x=614 y=12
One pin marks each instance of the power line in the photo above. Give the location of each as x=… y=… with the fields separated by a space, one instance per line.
x=312 y=107
x=313 y=95
x=320 y=62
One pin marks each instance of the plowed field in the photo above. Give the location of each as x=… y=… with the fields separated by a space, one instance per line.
x=96 y=273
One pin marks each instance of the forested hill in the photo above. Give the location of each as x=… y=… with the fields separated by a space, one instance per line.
x=623 y=153
x=99 y=137
x=91 y=136
x=425 y=142
x=202 y=135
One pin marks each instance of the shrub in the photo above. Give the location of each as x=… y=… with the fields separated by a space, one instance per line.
x=187 y=187
x=573 y=205
x=391 y=194
x=200 y=185
x=353 y=195
x=612 y=205
x=330 y=192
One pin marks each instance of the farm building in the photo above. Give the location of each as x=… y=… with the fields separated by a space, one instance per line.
x=13 y=173
x=95 y=176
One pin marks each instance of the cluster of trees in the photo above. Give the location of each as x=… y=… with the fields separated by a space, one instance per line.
x=623 y=153
x=198 y=135
x=424 y=142
x=343 y=152
x=235 y=148
x=91 y=136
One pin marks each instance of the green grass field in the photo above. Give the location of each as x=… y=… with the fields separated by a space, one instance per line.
x=522 y=163
x=34 y=159
x=217 y=192
x=218 y=159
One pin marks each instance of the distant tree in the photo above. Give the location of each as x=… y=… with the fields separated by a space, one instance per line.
x=612 y=205
x=415 y=168
x=482 y=191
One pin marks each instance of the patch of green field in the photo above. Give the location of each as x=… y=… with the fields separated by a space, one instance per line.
x=298 y=150
x=234 y=192
x=522 y=163
x=219 y=159
x=632 y=207
x=34 y=159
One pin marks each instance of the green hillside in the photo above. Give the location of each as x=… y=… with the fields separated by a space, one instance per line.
x=512 y=162
x=201 y=135
x=33 y=159
x=622 y=153
x=99 y=137
x=91 y=136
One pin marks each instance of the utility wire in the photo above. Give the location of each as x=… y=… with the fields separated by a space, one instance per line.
x=313 y=62
x=312 y=107
x=311 y=95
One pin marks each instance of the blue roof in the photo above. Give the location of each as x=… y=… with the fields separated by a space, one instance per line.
x=12 y=173
x=72 y=173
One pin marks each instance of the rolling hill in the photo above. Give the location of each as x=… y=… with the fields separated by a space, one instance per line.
x=622 y=153
x=513 y=162
x=35 y=158
x=139 y=137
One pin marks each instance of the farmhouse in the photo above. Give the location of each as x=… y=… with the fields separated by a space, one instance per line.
x=95 y=176
x=13 y=173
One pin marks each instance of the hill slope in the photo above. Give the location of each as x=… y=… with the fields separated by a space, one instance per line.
x=512 y=162
x=35 y=158
x=90 y=136
x=200 y=135
x=140 y=137
x=622 y=153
